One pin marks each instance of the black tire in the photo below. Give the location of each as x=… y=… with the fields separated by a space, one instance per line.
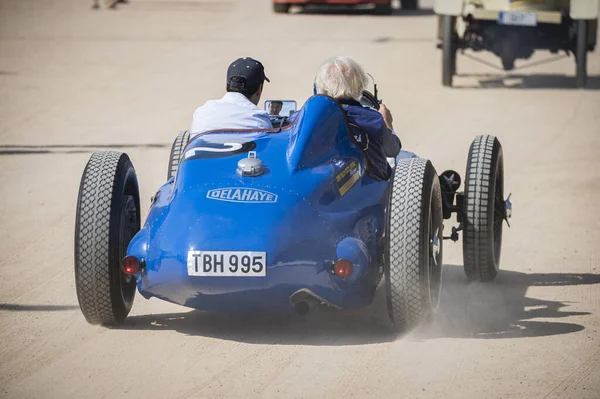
x=107 y=219
x=280 y=8
x=177 y=152
x=581 y=53
x=413 y=274
x=484 y=211
x=409 y=4
x=448 y=50
x=383 y=9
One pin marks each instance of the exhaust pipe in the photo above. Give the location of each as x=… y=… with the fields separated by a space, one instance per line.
x=302 y=308
x=304 y=300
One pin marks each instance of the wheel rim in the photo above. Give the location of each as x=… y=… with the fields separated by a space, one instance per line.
x=499 y=213
x=434 y=268
x=128 y=229
x=435 y=257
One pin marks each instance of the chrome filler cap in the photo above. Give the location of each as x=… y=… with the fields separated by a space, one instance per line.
x=250 y=166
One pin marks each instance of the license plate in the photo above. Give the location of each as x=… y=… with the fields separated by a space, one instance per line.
x=227 y=263
x=517 y=18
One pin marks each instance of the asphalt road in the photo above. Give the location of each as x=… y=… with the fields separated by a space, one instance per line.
x=73 y=81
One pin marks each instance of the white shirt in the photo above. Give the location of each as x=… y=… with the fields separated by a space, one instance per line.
x=233 y=111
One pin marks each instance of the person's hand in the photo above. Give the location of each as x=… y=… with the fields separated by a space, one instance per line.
x=387 y=116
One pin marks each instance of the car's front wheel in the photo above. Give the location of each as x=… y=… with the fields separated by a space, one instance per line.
x=484 y=209
x=177 y=152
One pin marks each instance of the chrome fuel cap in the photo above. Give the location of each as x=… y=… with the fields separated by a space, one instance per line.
x=250 y=166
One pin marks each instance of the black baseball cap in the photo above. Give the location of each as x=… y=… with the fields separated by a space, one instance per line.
x=249 y=69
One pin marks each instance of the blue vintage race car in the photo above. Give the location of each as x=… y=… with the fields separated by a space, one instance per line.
x=280 y=220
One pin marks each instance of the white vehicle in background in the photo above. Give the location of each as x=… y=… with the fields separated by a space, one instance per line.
x=514 y=29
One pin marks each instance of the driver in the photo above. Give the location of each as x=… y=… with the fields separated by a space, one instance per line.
x=344 y=79
x=275 y=107
x=238 y=108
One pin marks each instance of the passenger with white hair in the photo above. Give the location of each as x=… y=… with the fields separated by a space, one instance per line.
x=344 y=79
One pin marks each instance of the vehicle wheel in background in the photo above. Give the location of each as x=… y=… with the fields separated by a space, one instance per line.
x=107 y=219
x=383 y=9
x=448 y=49
x=581 y=53
x=281 y=8
x=409 y=4
x=483 y=209
x=413 y=267
x=177 y=152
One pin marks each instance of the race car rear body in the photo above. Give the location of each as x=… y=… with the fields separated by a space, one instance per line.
x=218 y=238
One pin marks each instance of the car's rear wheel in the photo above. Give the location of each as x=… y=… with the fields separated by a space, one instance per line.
x=409 y=4
x=107 y=218
x=177 y=152
x=281 y=8
x=413 y=270
x=581 y=53
x=448 y=49
x=484 y=209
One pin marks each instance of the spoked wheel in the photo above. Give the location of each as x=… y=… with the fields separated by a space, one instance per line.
x=484 y=209
x=449 y=49
x=107 y=219
x=413 y=272
x=177 y=152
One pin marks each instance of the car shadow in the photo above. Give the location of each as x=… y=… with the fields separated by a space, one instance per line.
x=332 y=10
x=499 y=309
x=520 y=81
x=15 y=307
x=16 y=149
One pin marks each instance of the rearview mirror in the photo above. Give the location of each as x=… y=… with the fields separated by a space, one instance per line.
x=280 y=107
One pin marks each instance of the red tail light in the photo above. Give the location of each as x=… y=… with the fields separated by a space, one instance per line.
x=342 y=268
x=130 y=265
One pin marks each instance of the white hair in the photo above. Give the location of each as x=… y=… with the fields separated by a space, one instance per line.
x=341 y=77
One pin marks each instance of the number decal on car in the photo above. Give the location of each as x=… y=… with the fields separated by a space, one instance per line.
x=201 y=149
